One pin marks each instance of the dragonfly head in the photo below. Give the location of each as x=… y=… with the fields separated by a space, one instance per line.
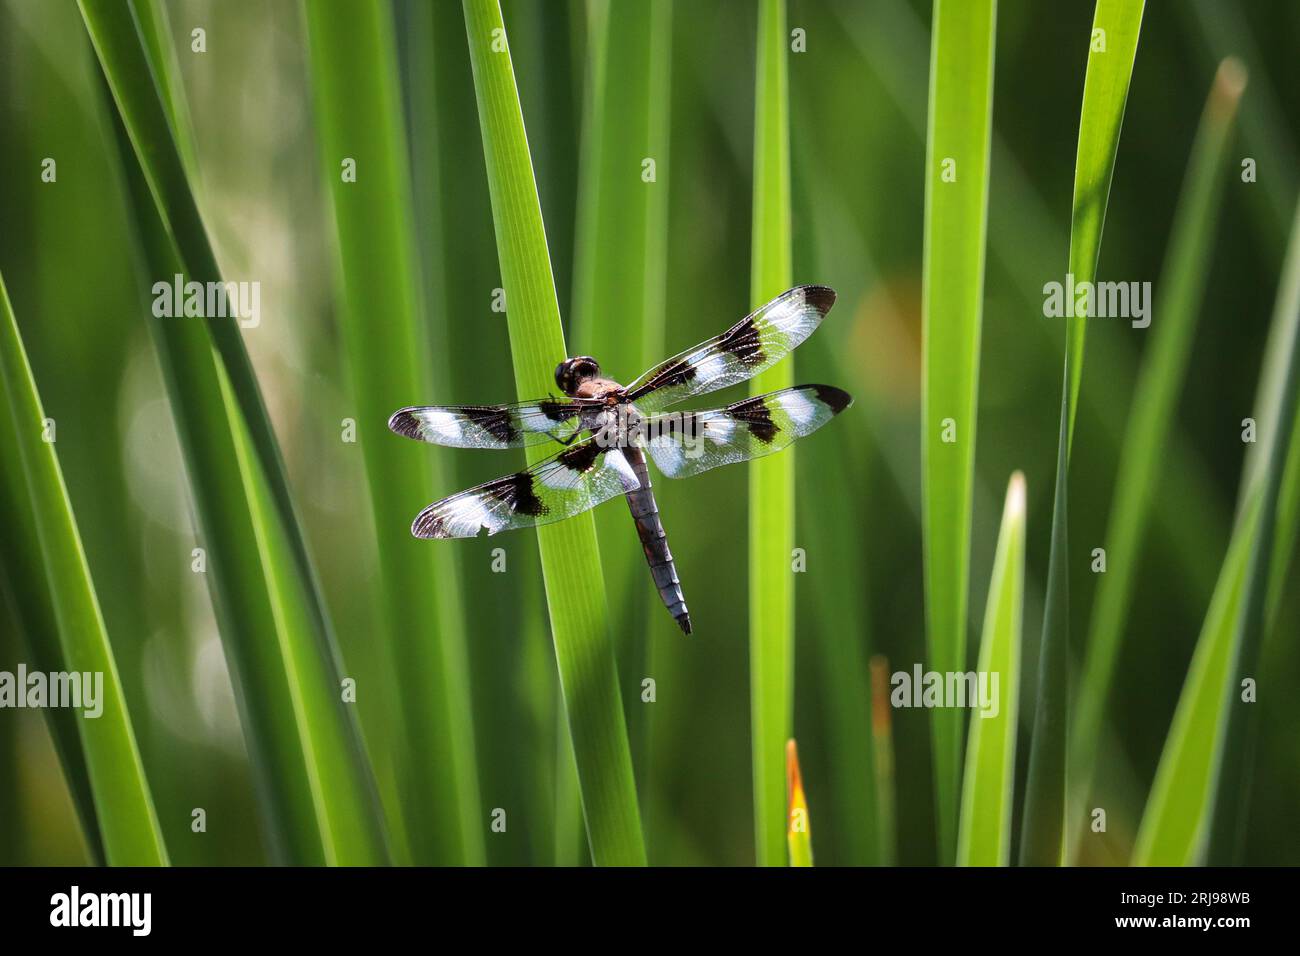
x=572 y=372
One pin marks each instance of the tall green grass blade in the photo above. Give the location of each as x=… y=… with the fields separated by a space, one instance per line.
x=956 y=223
x=124 y=807
x=358 y=111
x=771 y=480
x=341 y=793
x=1280 y=408
x=984 y=835
x=1111 y=52
x=569 y=552
x=1171 y=832
x=619 y=274
x=1181 y=286
x=317 y=794
x=154 y=31
x=511 y=651
x=24 y=586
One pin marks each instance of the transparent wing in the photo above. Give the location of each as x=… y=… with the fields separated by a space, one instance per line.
x=686 y=443
x=492 y=426
x=756 y=342
x=575 y=480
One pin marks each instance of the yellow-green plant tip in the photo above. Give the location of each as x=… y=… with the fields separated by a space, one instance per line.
x=799 y=826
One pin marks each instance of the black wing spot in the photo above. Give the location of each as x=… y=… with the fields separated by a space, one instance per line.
x=581 y=457
x=404 y=423
x=742 y=341
x=820 y=297
x=556 y=411
x=516 y=491
x=836 y=399
x=496 y=422
x=676 y=372
x=754 y=413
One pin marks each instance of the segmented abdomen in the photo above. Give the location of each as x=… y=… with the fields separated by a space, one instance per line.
x=654 y=541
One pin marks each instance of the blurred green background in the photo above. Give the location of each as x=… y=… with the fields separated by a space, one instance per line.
x=71 y=259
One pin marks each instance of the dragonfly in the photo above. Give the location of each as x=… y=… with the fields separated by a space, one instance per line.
x=607 y=431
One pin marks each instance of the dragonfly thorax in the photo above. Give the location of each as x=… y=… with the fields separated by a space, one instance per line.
x=617 y=425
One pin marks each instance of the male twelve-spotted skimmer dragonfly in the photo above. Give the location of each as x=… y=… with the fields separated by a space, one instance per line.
x=625 y=422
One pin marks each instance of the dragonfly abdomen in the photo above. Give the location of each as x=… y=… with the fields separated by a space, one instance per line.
x=654 y=541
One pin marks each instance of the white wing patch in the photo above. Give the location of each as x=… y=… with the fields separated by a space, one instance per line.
x=618 y=461
x=465 y=516
x=798 y=407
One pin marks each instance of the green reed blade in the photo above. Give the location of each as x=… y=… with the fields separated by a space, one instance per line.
x=956 y=223
x=1111 y=52
x=984 y=834
x=128 y=825
x=570 y=557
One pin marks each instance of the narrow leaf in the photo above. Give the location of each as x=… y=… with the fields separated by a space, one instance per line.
x=771 y=479
x=1281 y=409
x=359 y=116
x=619 y=275
x=1112 y=47
x=984 y=837
x=570 y=555
x=1171 y=832
x=1140 y=472
x=124 y=807
x=956 y=223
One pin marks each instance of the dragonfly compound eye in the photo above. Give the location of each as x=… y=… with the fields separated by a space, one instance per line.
x=572 y=372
